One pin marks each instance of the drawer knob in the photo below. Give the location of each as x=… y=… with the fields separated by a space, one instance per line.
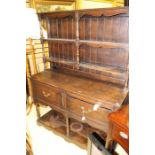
x=45 y=94
x=123 y=135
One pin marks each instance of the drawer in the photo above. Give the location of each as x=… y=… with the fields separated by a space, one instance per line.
x=46 y=93
x=121 y=136
x=75 y=106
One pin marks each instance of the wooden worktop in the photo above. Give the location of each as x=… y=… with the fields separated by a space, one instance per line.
x=87 y=89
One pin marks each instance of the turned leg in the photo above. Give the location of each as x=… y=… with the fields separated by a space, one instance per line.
x=38 y=110
x=67 y=127
x=109 y=137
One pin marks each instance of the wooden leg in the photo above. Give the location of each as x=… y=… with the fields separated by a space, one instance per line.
x=109 y=137
x=38 y=110
x=67 y=126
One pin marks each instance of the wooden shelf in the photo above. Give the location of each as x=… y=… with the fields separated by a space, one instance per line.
x=95 y=43
x=59 y=128
x=45 y=121
x=62 y=61
x=60 y=40
x=53 y=119
x=86 y=130
x=102 y=68
x=113 y=71
x=78 y=140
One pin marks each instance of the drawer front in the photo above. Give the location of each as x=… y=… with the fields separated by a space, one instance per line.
x=75 y=106
x=47 y=93
x=121 y=136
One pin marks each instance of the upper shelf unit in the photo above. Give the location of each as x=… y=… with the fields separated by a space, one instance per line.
x=91 y=43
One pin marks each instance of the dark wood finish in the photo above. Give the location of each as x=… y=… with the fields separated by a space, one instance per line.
x=97 y=38
x=53 y=119
x=61 y=131
x=88 y=79
x=67 y=94
x=87 y=129
x=48 y=94
x=100 y=116
x=81 y=88
x=119 y=127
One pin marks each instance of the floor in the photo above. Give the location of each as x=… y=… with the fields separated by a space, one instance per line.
x=45 y=142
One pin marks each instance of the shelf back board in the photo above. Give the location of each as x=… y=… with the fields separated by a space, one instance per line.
x=91 y=43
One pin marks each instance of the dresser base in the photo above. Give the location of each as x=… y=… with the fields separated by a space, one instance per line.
x=63 y=129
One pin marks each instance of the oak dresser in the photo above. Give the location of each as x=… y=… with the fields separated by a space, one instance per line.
x=88 y=75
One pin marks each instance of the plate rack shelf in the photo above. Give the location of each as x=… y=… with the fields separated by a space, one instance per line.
x=91 y=43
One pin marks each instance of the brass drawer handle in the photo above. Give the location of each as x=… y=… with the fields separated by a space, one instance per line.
x=123 y=135
x=45 y=94
x=94 y=108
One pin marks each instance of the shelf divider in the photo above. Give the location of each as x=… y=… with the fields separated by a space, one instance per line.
x=77 y=39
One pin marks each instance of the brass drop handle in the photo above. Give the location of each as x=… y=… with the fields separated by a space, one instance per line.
x=83 y=113
x=45 y=94
x=95 y=108
x=123 y=135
